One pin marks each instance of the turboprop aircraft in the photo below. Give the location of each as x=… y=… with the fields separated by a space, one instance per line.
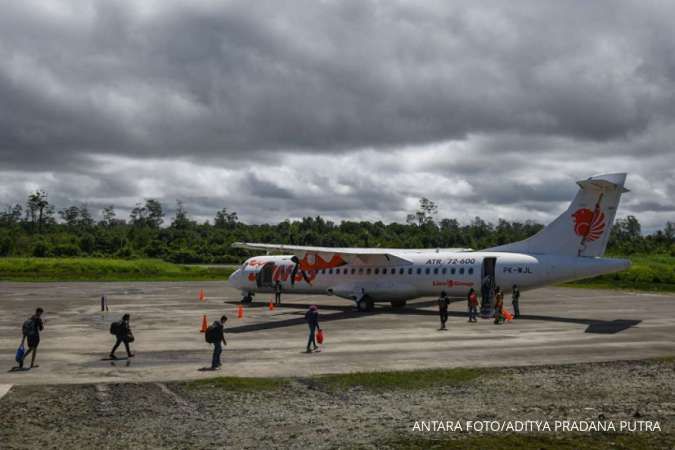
x=569 y=248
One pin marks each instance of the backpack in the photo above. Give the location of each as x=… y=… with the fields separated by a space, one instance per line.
x=212 y=333
x=116 y=328
x=28 y=328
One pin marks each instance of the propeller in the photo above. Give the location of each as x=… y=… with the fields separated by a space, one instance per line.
x=296 y=261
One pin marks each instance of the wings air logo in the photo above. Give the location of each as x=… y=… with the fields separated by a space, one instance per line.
x=589 y=224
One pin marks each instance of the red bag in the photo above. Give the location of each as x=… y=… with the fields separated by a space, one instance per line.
x=319 y=336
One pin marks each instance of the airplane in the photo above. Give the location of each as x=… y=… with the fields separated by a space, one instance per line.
x=569 y=248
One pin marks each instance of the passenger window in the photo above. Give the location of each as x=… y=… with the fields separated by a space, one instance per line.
x=330 y=271
x=452 y=271
x=444 y=270
x=393 y=271
x=377 y=270
x=353 y=270
x=470 y=270
x=401 y=270
x=427 y=271
x=435 y=270
x=323 y=271
x=368 y=271
x=419 y=270
x=360 y=270
x=461 y=270
x=384 y=271
x=410 y=271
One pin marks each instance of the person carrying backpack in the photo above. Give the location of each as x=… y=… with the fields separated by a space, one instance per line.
x=122 y=332
x=312 y=318
x=472 y=300
x=215 y=334
x=31 y=333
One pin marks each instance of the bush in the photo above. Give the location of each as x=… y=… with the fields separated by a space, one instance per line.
x=5 y=245
x=183 y=256
x=65 y=250
x=40 y=248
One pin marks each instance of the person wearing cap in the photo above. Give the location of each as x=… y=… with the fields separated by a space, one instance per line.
x=312 y=318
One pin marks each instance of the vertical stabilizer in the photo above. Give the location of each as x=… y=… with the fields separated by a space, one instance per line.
x=582 y=230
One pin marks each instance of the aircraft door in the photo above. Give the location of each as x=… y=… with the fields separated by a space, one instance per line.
x=264 y=277
x=487 y=287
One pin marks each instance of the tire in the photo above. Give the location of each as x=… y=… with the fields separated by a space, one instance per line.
x=397 y=304
x=363 y=305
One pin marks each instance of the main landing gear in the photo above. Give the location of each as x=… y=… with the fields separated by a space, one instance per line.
x=247 y=298
x=364 y=304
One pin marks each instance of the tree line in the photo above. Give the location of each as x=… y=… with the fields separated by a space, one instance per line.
x=36 y=229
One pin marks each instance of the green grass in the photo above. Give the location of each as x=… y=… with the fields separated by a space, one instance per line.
x=237 y=384
x=647 y=273
x=401 y=380
x=104 y=269
x=375 y=381
x=533 y=441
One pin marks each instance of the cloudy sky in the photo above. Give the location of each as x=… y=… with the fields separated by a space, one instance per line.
x=347 y=109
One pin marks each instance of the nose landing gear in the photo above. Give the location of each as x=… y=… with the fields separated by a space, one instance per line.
x=364 y=304
x=247 y=298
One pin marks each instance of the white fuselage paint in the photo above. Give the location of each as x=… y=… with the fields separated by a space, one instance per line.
x=428 y=274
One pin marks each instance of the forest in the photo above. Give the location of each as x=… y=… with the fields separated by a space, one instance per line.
x=35 y=228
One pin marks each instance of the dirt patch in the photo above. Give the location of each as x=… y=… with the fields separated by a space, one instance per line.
x=304 y=413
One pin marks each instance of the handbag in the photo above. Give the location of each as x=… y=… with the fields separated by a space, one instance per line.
x=20 y=352
x=319 y=336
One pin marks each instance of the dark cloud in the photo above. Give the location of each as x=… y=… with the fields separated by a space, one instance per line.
x=348 y=109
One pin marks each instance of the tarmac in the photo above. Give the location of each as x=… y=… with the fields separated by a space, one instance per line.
x=558 y=326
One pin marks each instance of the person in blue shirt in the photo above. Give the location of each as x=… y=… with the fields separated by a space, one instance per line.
x=312 y=318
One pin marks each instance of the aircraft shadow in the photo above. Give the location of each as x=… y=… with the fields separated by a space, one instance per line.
x=594 y=326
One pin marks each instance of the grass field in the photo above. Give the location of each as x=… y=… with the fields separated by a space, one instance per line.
x=372 y=381
x=648 y=273
x=401 y=380
x=104 y=269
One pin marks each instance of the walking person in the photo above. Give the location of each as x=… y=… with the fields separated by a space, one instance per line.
x=215 y=334
x=277 y=293
x=443 y=303
x=312 y=318
x=472 y=300
x=122 y=332
x=499 y=305
x=515 y=301
x=31 y=329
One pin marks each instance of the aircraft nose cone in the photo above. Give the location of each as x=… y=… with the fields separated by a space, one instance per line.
x=233 y=279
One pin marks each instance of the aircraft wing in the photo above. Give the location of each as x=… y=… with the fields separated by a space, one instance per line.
x=326 y=257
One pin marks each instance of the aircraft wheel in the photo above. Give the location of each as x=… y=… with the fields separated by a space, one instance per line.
x=363 y=305
x=398 y=303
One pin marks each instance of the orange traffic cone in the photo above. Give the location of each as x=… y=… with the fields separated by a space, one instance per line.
x=271 y=306
x=202 y=295
x=240 y=312
x=205 y=325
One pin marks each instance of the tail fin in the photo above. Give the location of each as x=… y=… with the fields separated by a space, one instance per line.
x=582 y=230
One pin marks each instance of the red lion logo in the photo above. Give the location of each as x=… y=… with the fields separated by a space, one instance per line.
x=589 y=224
